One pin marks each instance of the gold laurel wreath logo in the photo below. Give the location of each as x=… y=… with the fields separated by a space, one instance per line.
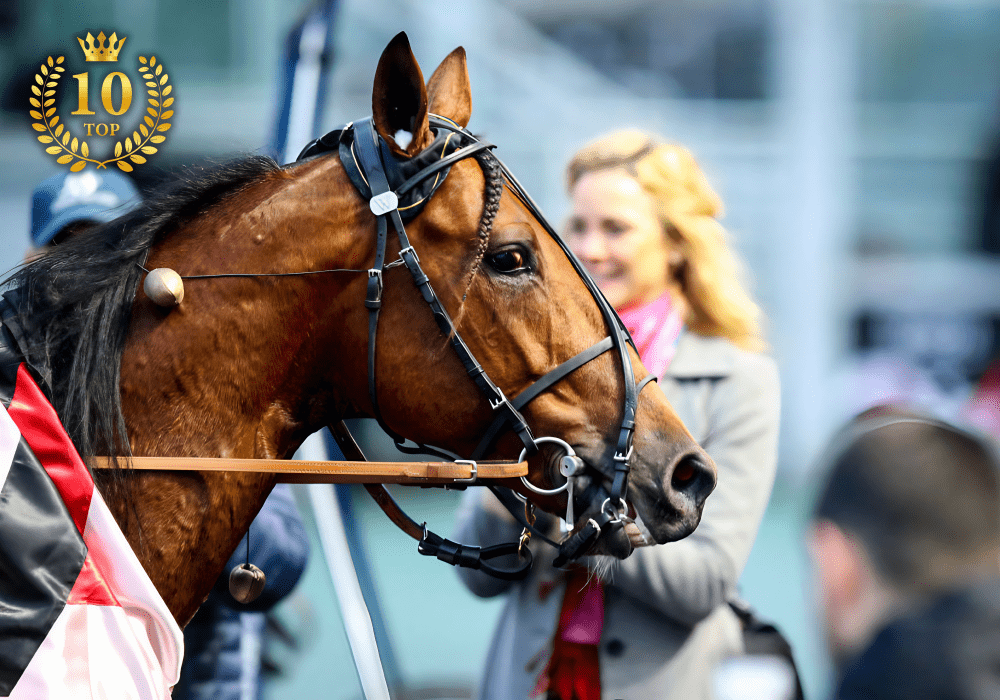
x=136 y=146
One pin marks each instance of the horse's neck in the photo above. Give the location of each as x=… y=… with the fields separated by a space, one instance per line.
x=234 y=371
x=191 y=522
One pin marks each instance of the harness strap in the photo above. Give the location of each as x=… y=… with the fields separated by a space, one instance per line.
x=446 y=162
x=366 y=140
x=570 y=365
x=546 y=381
x=431 y=544
x=373 y=302
x=333 y=472
x=619 y=485
x=378 y=185
x=475 y=557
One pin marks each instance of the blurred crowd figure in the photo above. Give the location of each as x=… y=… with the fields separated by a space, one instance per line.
x=644 y=224
x=982 y=409
x=224 y=642
x=68 y=203
x=906 y=545
x=895 y=377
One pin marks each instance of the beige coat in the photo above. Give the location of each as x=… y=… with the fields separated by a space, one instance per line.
x=666 y=622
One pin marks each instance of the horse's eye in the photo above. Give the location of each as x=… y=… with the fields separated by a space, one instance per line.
x=507 y=261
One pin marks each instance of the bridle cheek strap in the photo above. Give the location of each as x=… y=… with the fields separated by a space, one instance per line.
x=522 y=399
x=383 y=205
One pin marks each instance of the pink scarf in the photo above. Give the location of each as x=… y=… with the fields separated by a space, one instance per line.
x=655 y=327
x=573 y=671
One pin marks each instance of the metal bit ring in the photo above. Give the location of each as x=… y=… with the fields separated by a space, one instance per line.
x=547 y=492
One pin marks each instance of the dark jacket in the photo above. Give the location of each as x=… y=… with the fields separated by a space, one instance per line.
x=949 y=650
x=222 y=643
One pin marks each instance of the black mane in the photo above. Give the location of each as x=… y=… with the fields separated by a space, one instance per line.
x=75 y=303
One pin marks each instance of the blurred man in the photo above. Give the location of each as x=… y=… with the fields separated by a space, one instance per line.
x=69 y=202
x=906 y=544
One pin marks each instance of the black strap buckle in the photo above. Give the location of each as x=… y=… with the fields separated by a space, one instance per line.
x=409 y=250
x=374 y=297
x=500 y=401
x=477 y=557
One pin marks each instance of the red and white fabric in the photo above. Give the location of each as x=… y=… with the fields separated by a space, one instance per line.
x=115 y=637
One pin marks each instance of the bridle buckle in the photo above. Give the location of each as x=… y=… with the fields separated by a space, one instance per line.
x=501 y=399
x=475 y=471
x=377 y=274
x=619 y=457
x=409 y=249
x=618 y=514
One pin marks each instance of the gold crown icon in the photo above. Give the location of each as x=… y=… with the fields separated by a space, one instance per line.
x=99 y=52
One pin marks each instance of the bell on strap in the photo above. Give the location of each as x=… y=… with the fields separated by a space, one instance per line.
x=164 y=287
x=246 y=581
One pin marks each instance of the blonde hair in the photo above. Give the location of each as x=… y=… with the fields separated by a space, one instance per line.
x=688 y=208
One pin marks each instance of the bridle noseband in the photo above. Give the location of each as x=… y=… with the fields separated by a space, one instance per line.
x=371 y=166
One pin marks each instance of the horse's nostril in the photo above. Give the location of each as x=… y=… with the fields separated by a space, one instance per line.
x=683 y=474
x=692 y=477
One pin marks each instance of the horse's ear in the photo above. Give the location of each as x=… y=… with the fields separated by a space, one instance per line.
x=399 y=99
x=449 y=91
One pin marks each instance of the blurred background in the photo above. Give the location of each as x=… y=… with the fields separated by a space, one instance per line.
x=854 y=142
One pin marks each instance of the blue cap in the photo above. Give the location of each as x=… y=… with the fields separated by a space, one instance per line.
x=88 y=196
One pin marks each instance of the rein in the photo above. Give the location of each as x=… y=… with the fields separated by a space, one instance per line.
x=295 y=471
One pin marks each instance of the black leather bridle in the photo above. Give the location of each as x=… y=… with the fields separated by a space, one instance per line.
x=371 y=165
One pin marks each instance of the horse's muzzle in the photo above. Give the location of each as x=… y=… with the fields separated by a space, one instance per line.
x=666 y=503
x=670 y=507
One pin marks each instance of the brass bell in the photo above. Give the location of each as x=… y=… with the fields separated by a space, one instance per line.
x=164 y=287
x=246 y=583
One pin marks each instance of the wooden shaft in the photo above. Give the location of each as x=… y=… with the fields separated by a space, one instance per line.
x=333 y=472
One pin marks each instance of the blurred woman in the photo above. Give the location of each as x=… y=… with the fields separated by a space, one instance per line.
x=644 y=223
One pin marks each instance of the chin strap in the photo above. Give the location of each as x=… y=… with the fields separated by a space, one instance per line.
x=429 y=543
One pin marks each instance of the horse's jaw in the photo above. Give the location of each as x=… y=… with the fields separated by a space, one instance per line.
x=613 y=543
x=620 y=542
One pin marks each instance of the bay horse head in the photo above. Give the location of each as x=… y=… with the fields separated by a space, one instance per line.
x=260 y=355
x=522 y=306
